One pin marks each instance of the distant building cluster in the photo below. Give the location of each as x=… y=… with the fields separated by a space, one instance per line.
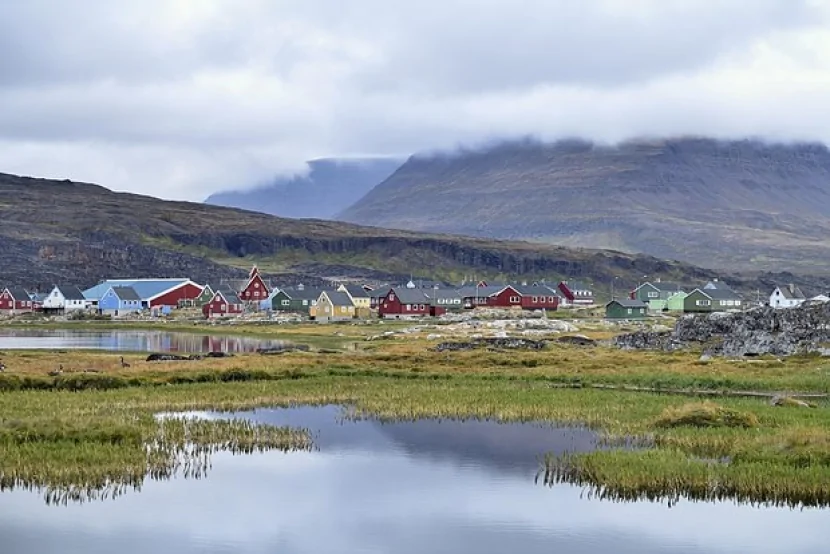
x=339 y=302
x=125 y=297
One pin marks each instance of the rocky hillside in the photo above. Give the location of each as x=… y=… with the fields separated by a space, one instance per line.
x=63 y=231
x=330 y=186
x=739 y=205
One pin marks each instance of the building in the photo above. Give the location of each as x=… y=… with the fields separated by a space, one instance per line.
x=576 y=294
x=401 y=302
x=442 y=301
x=712 y=300
x=65 y=299
x=788 y=296
x=300 y=299
x=153 y=293
x=626 y=308
x=360 y=299
x=480 y=295
x=656 y=294
x=207 y=294
x=378 y=293
x=255 y=289
x=334 y=306
x=225 y=303
x=537 y=297
x=675 y=302
x=15 y=300
x=119 y=302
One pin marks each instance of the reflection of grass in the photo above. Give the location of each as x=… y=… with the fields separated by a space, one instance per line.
x=93 y=436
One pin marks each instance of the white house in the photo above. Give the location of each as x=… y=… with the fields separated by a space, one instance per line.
x=788 y=296
x=66 y=299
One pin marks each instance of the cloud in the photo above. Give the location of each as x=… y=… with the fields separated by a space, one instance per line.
x=180 y=98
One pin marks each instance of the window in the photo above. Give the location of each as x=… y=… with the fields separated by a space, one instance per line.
x=305 y=302
x=653 y=294
x=391 y=296
x=286 y=302
x=256 y=293
x=343 y=309
x=515 y=299
x=224 y=307
x=256 y=285
x=421 y=307
x=703 y=303
x=408 y=307
x=535 y=299
x=629 y=311
x=551 y=299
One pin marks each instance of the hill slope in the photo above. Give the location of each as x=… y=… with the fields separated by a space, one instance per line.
x=62 y=231
x=330 y=186
x=737 y=205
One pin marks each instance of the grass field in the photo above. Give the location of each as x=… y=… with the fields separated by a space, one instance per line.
x=82 y=432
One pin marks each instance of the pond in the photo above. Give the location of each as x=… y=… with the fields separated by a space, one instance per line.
x=126 y=341
x=407 y=487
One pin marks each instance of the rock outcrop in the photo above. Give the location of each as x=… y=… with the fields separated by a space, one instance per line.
x=801 y=330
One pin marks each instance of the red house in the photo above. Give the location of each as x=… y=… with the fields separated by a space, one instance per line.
x=15 y=300
x=404 y=302
x=179 y=294
x=576 y=293
x=223 y=304
x=255 y=289
x=537 y=297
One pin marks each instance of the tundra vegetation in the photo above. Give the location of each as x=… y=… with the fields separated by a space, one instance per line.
x=676 y=426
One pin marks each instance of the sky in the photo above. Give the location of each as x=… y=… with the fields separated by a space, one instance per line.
x=183 y=98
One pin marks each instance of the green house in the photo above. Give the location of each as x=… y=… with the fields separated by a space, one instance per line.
x=656 y=294
x=299 y=300
x=675 y=302
x=626 y=309
x=205 y=296
x=712 y=300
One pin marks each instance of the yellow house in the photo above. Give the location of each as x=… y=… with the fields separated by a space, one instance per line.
x=335 y=306
x=359 y=297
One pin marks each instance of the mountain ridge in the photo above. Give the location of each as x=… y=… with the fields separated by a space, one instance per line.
x=767 y=205
x=330 y=185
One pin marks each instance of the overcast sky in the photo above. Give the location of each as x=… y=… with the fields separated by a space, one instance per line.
x=180 y=98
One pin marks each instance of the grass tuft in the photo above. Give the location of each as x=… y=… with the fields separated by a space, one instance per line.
x=704 y=414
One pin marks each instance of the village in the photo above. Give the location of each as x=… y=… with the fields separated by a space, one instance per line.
x=125 y=298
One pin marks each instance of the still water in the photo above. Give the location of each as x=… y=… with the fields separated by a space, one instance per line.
x=403 y=488
x=125 y=341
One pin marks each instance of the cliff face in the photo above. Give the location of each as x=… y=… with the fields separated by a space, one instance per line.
x=723 y=204
x=330 y=186
x=77 y=233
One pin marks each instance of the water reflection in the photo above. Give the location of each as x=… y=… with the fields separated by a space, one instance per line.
x=414 y=487
x=127 y=341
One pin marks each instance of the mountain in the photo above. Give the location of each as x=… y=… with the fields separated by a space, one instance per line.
x=79 y=233
x=744 y=205
x=330 y=186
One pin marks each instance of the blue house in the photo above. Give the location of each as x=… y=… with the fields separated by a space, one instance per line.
x=119 y=301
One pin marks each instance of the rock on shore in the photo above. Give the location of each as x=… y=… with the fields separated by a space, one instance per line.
x=801 y=330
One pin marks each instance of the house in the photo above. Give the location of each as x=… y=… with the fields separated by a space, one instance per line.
x=626 y=308
x=401 y=302
x=675 y=302
x=153 y=293
x=360 y=299
x=225 y=303
x=443 y=300
x=120 y=301
x=479 y=295
x=15 y=300
x=300 y=299
x=334 y=306
x=788 y=296
x=576 y=294
x=254 y=289
x=376 y=294
x=537 y=297
x=207 y=294
x=711 y=300
x=656 y=294
x=65 y=299
x=820 y=298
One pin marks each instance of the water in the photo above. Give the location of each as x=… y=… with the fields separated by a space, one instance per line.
x=125 y=341
x=417 y=487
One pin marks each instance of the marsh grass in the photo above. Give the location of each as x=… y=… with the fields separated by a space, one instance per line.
x=95 y=435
